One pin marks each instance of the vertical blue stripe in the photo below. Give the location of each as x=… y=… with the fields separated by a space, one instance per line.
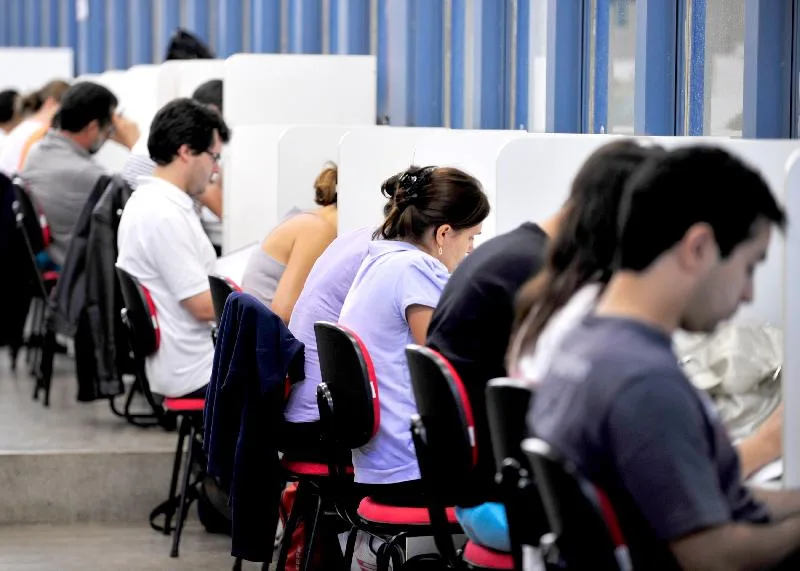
x=141 y=32
x=265 y=22
x=601 y=62
x=119 y=34
x=697 y=68
x=33 y=23
x=383 y=63
x=170 y=21
x=655 y=83
x=52 y=23
x=305 y=26
x=197 y=19
x=523 y=64
x=767 y=69
x=337 y=18
x=425 y=63
x=69 y=36
x=229 y=27
x=458 y=35
x=349 y=27
x=493 y=65
x=17 y=17
x=91 y=39
x=564 y=66
x=5 y=30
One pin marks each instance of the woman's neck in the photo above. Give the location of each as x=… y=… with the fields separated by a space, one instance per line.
x=329 y=214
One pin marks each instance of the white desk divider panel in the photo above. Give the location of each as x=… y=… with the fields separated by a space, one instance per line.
x=112 y=156
x=26 y=69
x=791 y=328
x=367 y=157
x=250 y=185
x=302 y=153
x=144 y=96
x=194 y=73
x=474 y=152
x=300 y=89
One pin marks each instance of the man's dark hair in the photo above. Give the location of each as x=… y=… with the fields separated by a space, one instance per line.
x=210 y=93
x=83 y=103
x=8 y=105
x=185 y=45
x=184 y=122
x=687 y=186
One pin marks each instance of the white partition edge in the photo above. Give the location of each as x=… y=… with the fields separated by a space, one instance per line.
x=791 y=328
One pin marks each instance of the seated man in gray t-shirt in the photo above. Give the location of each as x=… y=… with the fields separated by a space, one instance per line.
x=614 y=399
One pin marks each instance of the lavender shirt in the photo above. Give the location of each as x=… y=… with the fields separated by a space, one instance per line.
x=321 y=300
x=394 y=276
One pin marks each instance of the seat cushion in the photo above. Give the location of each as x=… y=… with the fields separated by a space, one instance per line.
x=301 y=468
x=184 y=405
x=483 y=557
x=381 y=513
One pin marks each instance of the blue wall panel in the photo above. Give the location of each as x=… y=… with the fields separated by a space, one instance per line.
x=350 y=25
x=229 y=27
x=601 y=58
x=170 y=20
x=493 y=43
x=305 y=26
x=767 y=69
x=33 y=23
x=265 y=26
x=5 y=23
x=458 y=46
x=197 y=19
x=425 y=63
x=564 y=66
x=522 y=64
x=384 y=103
x=120 y=57
x=141 y=30
x=656 y=54
x=16 y=16
x=69 y=35
x=91 y=39
x=52 y=23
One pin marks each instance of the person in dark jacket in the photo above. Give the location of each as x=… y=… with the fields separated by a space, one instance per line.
x=255 y=353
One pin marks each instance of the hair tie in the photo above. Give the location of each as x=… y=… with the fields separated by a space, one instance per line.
x=412 y=183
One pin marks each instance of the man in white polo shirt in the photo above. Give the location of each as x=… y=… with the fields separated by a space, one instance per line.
x=162 y=243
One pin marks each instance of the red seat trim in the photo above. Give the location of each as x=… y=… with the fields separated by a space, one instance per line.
x=50 y=276
x=151 y=307
x=184 y=405
x=371 y=377
x=468 y=416
x=479 y=556
x=610 y=517
x=233 y=285
x=381 y=513
x=301 y=468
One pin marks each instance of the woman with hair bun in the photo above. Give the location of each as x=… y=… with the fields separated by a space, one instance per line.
x=277 y=271
x=433 y=218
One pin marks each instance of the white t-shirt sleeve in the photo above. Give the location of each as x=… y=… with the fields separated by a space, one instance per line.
x=420 y=283
x=178 y=259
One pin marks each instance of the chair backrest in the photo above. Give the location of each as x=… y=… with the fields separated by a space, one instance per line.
x=221 y=288
x=350 y=386
x=30 y=217
x=140 y=316
x=445 y=411
x=507 y=404
x=585 y=528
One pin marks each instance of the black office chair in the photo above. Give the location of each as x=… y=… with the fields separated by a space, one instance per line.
x=585 y=529
x=507 y=405
x=447 y=452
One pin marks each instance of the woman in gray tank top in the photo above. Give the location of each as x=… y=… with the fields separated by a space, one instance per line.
x=277 y=271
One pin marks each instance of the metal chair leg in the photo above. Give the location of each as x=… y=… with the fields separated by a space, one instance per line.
x=308 y=552
x=184 y=504
x=176 y=470
x=350 y=548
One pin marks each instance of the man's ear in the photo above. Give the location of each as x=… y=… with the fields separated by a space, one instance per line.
x=698 y=248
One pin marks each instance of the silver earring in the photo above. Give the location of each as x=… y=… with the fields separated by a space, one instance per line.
x=440 y=251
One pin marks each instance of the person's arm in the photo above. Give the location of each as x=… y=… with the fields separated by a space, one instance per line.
x=738 y=546
x=782 y=504
x=308 y=246
x=419 y=318
x=126 y=132
x=764 y=445
x=200 y=306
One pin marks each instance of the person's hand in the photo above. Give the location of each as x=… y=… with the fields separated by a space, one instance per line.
x=770 y=433
x=126 y=132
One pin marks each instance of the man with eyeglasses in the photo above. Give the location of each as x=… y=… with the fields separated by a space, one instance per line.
x=59 y=170
x=162 y=243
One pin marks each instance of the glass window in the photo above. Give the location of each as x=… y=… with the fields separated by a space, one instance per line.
x=715 y=67
x=612 y=55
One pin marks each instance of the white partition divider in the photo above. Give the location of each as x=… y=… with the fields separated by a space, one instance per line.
x=300 y=89
x=179 y=78
x=112 y=156
x=474 y=152
x=367 y=157
x=791 y=328
x=250 y=185
x=143 y=97
x=535 y=175
x=26 y=69
x=302 y=153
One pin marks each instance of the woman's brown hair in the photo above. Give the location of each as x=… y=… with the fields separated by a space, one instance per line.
x=325 y=185
x=424 y=198
x=583 y=250
x=32 y=102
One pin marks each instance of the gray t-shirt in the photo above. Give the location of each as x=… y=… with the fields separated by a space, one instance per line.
x=615 y=401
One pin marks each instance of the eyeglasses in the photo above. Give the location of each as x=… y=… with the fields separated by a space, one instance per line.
x=216 y=157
